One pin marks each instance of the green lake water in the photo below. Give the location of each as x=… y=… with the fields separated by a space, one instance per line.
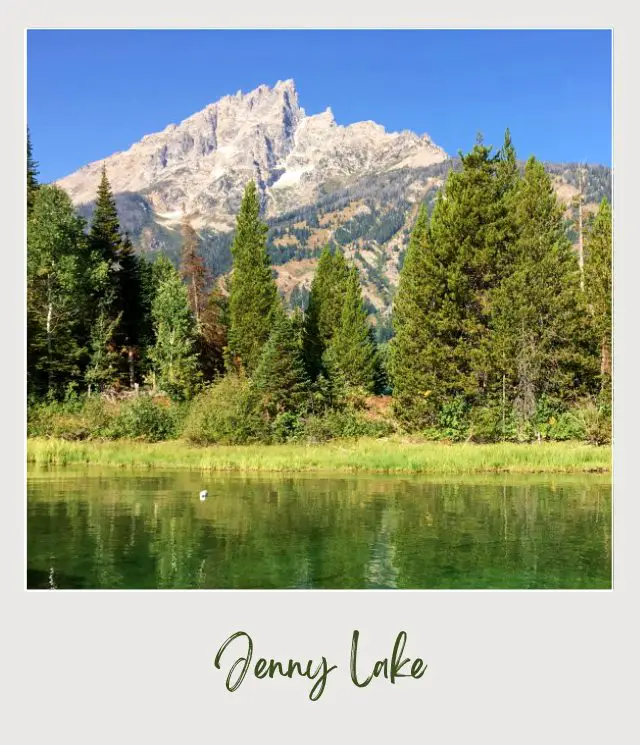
x=114 y=529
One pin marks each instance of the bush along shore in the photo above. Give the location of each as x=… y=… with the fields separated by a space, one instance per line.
x=501 y=339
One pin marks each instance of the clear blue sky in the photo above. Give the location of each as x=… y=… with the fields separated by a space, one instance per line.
x=92 y=93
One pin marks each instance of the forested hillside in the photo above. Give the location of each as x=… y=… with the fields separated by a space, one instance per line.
x=499 y=326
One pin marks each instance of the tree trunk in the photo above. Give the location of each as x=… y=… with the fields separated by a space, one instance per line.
x=132 y=376
x=195 y=298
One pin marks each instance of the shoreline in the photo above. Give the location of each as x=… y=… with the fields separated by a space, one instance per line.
x=366 y=455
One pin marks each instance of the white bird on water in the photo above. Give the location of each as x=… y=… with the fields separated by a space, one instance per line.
x=203 y=495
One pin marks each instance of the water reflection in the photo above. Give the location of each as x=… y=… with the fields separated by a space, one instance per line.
x=114 y=530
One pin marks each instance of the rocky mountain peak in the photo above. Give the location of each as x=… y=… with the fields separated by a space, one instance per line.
x=202 y=164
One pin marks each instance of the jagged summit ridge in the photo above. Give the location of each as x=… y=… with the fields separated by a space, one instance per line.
x=201 y=165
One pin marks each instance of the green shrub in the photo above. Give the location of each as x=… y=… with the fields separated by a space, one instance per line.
x=72 y=419
x=341 y=424
x=567 y=426
x=226 y=414
x=285 y=426
x=145 y=419
x=453 y=419
x=492 y=424
x=596 y=422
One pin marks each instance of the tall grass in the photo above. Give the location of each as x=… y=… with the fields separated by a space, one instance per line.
x=392 y=455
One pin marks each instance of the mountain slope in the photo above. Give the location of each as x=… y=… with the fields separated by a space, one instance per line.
x=355 y=186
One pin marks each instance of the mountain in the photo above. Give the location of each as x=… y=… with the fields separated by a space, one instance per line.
x=357 y=186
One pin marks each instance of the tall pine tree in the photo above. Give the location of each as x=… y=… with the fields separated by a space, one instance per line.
x=119 y=306
x=351 y=354
x=253 y=295
x=540 y=338
x=104 y=235
x=104 y=245
x=130 y=303
x=324 y=310
x=412 y=349
x=598 y=286
x=466 y=233
x=281 y=378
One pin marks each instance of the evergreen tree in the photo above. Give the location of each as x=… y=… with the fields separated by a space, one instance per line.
x=508 y=179
x=56 y=291
x=193 y=270
x=161 y=270
x=212 y=338
x=105 y=335
x=253 y=290
x=351 y=355
x=598 y=278
x=466 y=235
x=324 y=310
x=32 y=176
x=102 y=371
x=152 y=274
x=280 y=378
x=507 y=165
x=173 y=356
x=130 y=303
x=104 y=235
x=413 y=351
x=540 y=339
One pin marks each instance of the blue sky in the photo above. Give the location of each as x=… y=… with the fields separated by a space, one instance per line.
x=92 y=93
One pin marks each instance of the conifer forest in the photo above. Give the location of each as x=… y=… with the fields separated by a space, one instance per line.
x=501 y=326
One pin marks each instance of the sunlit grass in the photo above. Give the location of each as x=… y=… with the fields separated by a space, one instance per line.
x=392 y=455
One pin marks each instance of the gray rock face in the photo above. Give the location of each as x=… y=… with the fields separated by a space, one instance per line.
x=201 y=166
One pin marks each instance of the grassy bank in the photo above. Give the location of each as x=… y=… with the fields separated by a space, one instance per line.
x=392 y=455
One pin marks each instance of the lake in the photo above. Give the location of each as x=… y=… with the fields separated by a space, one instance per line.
x=122 y=529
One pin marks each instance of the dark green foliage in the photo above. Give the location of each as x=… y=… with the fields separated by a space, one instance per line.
x=280 y=379
x=412 y=353
x=57 y=292
x=453 y=419
x=103 y=372
x=104 y=235
x=466 y=240
x=253 y=290
x=598 y=287
x=173 y=357
x=540 y=342
x=387 y=226
x=130 y=332
x=488 y=313
x=130 y=287
x=351 y=354
x=324 y=310
x=355 y=228
x=494 y=338
x=32 y=176
x=117 y=328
